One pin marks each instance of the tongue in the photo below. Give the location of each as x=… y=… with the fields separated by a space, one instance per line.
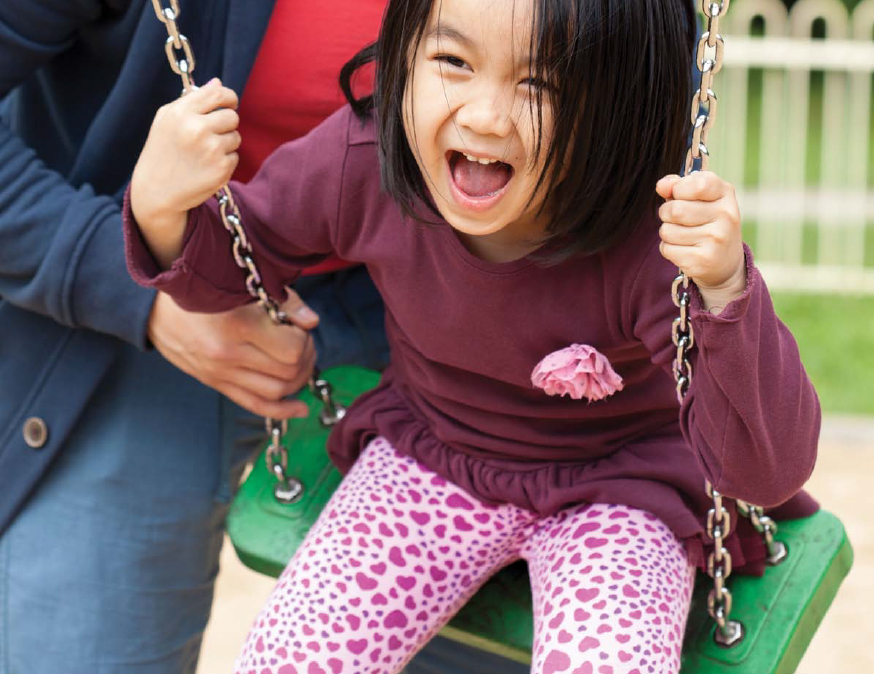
x=480 y=180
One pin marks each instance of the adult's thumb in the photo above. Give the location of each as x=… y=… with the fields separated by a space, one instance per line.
x=298 y=311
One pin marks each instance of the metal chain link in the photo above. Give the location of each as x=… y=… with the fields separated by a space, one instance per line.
x=176 y=42
x=708 y=59
x=682 y=335
x=181 y=58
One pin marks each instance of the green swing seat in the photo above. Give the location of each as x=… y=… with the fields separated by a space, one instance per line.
x=780 y=611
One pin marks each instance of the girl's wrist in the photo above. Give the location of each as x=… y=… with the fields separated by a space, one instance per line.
x=162 y=233
x=715 y=299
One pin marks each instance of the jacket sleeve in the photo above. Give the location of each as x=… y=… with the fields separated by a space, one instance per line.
x=61 y=248
x=751 y=414
x=290 y=214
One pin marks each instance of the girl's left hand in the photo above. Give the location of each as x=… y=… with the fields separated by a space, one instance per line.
x=701 y=234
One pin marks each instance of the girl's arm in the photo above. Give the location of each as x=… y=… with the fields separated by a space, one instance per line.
x=191 y=151
x=751 y=416
x=290 y=210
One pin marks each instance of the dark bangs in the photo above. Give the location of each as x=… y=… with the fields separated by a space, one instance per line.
x=622 y=111
x=620 y=89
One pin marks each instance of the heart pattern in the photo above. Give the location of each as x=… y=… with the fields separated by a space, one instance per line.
x=397 y=550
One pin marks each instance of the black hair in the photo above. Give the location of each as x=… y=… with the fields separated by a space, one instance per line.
x=620 y=90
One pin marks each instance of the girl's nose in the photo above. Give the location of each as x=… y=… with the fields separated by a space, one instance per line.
x=487 y=115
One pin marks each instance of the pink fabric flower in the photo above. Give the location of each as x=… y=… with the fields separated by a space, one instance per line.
x=578 y=371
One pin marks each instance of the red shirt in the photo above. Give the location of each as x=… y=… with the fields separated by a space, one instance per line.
x=293 y=84
x=465 y=335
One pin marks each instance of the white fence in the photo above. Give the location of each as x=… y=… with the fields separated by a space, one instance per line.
x=811 y=235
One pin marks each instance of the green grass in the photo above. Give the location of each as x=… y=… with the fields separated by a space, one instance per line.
x=835 y=335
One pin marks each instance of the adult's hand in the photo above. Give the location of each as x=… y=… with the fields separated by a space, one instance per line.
x=241 y=353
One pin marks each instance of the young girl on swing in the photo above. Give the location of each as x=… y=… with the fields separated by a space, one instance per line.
x=525 y=149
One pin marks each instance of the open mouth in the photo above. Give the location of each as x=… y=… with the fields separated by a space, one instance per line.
x=476 y=178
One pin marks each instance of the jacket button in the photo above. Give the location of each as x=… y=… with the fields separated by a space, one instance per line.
x=35 y=432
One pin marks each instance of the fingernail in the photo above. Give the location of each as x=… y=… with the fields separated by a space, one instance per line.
x=305 y=313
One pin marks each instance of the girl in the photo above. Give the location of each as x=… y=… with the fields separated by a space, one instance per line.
x=529 y=408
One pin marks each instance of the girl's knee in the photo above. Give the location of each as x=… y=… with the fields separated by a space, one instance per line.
x=612 y=589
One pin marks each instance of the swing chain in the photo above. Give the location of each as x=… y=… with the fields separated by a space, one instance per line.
x=288 y=489
x=708 y=58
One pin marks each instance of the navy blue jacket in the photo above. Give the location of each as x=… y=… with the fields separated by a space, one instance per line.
x=81 y=81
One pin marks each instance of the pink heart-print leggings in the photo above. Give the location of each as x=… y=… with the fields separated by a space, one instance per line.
x=398 y=550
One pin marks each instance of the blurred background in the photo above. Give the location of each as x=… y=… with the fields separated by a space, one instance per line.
x=795 y=134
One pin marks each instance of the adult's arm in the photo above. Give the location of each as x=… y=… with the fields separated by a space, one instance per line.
x=61 y=247
x=751 y=414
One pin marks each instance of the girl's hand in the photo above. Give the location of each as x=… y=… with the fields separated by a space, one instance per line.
x=701 y=234
x=190 y=153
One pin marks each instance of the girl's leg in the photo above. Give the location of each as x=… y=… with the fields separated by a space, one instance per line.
x=611 y=588
x=396 y=552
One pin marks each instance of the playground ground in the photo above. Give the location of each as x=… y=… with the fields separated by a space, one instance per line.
x=843 y=482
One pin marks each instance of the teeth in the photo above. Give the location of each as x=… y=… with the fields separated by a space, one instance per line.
x=481 y=160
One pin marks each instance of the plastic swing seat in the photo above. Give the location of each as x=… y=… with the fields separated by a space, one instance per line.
x=780 y=611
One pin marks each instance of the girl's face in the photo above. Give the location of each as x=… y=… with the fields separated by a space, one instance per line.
x=471 y=119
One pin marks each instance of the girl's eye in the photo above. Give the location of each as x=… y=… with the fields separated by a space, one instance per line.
x=535 y=83
x=448 y=59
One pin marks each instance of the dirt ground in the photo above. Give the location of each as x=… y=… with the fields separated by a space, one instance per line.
x=844 y=474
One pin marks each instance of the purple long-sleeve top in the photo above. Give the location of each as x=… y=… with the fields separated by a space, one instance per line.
x=465 y=335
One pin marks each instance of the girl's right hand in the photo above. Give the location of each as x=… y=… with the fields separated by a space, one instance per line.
x=191 y=152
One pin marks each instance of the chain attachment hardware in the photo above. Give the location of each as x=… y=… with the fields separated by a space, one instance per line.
x=332 y=411
x=287 y=489
x=767 y=527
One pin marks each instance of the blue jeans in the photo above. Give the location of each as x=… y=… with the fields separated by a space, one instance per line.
x=110 y=566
